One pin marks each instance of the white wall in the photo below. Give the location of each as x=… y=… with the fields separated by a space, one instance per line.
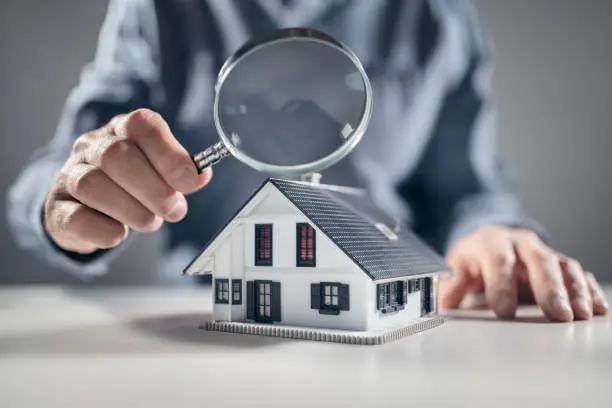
x=411 y=312
x=295 y=296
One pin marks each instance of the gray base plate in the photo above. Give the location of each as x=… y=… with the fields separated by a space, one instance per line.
x=331 y=336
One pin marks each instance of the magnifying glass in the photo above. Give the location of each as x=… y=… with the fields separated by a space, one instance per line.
x=293 y=103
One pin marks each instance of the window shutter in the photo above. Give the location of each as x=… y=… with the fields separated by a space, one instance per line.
x=275 y=306
x=250 y=301
x=405 y=291
x=343 y=297
x=379 y=296
x=315 y=296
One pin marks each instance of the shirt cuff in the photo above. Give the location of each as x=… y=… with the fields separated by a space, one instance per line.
x=483 y=212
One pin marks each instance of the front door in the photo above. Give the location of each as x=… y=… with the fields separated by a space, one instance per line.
x=267 y=302
x=264 y=305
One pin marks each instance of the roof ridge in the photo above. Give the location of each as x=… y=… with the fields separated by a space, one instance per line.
x=323 y=186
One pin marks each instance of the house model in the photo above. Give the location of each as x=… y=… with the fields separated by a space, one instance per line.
x=312 y=261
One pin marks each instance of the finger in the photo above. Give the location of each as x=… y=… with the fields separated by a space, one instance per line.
x=93 y=188
x=498 y=274
x=203 y=179
x=125 y=164
x=600 y=304
x=546 y=279
x=577 y=288
x=83 y=224
x=150 y=132
x=453 y=288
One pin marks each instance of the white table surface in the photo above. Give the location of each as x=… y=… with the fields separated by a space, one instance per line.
x=140 y=347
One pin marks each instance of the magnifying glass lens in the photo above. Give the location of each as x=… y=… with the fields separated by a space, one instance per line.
x=291 y=102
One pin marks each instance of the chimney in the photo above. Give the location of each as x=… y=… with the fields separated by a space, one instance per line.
x=397 y=226
x=313 y=178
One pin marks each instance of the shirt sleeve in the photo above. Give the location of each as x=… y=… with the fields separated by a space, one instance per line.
x=460 y=183
x=121 y=78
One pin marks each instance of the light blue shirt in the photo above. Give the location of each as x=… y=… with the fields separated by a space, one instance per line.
x=428 y=157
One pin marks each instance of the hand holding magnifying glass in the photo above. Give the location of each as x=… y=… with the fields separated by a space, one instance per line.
x=293 y=103
x=296 y=102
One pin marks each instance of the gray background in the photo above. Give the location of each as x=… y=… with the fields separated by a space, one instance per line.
x=552 y=87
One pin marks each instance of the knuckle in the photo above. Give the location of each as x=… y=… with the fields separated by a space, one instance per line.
x=115 y=121
x=544 y=256
x=574 y=266
x=60 y=185
x=503 y=259
x=80 y=144
x=115 y=152
x=139 y=123
x=531 y=237
x=85 y=182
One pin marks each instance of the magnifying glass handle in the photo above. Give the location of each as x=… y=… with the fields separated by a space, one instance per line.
x=210 y=156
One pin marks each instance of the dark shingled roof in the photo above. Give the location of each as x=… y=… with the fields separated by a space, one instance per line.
x=349 y=220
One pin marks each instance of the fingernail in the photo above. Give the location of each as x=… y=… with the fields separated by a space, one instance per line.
x=177 y=212
x=583 y=308
x=562 y=309
x=504 y=306
x=184 y=178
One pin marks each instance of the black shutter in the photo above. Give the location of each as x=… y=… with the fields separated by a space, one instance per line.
x=250 y=300
x=405 y=291
x=400 y=293
x=275 y=306
x=315 y=296
x=427 y=298
x=379 y=297
x=343 y=297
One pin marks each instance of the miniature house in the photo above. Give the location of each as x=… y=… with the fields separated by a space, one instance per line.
x=320 y=262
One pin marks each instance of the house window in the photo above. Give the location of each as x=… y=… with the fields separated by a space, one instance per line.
x=413 y=285
x=306 y=245
x=329 y=297
x=236 y=291
x=390 y=296
x=222 y=291
x=263 y=244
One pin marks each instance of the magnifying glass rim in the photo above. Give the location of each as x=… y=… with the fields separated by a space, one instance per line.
x=284 y=35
